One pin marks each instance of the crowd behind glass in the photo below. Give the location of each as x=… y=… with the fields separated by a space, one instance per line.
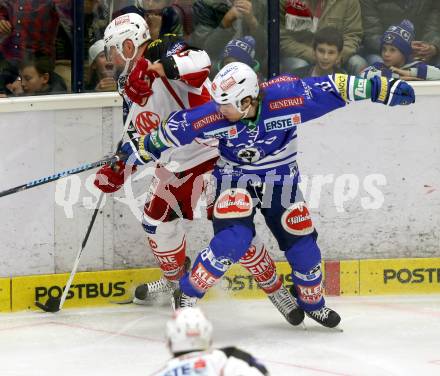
x=392 y=38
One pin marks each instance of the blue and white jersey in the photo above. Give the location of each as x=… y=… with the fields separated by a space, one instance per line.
x=268 y=142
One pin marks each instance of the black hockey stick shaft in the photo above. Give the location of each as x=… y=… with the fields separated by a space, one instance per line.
x=78 y=256
x=89 y=229
x=85 y=167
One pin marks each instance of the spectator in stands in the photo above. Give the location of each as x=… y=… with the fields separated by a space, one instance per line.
x=38 y=76
x=242 y=50
x=300 y=19
x=153 y=14
x=101 y=77
x=216 y=22
x=31 y=27
x=178 y=19
x=163 y=16
x=377 y=15
x=124 y=7
x=328 y=45
x=396 y=52
x=96 y=19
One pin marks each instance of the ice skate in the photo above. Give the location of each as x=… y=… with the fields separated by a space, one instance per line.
x=325 y=316
x=286 y=304
x=148 y=292
x=181 y=300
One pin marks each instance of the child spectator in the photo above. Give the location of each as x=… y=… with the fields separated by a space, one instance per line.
x=377 y=15
x=300 y=19
x=396 y=51
x=101 y=77
x=38 y=77
x=242 y=50
x=328 y=44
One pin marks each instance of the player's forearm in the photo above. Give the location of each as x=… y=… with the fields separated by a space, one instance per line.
x=352 y=88
x=141 y=150
x=390 y=92
x=153 y=144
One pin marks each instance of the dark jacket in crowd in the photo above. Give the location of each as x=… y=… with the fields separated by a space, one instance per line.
x=212 y=37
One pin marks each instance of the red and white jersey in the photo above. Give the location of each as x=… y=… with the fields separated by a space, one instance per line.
x=208 y=363
x=169 y=96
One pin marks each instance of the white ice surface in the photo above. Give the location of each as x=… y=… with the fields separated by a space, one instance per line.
x=381 y=336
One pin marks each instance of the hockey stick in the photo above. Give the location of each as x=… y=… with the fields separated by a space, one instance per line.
x=48 y=179
x=56 y=304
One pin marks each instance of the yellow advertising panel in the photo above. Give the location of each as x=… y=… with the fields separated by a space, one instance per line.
x=400 y=276
x=238 y=283
x=5 y=295
x=349 y=277
x=364 y=277
x=88 y=288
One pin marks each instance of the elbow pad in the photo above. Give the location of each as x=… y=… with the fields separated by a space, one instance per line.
x=190 y=66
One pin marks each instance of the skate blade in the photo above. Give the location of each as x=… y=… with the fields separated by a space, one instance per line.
x=320 y=327
x=338 y=329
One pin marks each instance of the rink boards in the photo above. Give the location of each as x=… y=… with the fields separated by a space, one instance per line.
x=346 y=277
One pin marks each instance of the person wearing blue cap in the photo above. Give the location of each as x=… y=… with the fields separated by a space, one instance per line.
x=241 y=50
x=397 y=54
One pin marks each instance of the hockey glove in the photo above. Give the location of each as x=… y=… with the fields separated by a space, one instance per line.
x=135 y=151
x=139 y=82
x=110 y=178
x=391 y=92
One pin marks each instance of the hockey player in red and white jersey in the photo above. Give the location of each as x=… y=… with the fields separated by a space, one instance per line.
x=159 y=77
x=189 y=338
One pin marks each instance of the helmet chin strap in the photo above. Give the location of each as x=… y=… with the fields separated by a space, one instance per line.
x=128 y=61
x=245 y=112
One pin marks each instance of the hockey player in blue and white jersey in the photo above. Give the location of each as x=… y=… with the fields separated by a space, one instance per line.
x=177 y=79
x=257 y=131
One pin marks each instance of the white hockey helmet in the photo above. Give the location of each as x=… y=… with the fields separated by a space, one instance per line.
x=127 y=26
x=234 y=82
x=188 y=330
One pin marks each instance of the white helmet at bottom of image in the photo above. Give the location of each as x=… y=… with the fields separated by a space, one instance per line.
x=189 y=330
x=130 y=26
x=234 y=82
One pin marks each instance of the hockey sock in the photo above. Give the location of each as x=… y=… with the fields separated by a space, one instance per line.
x=305 y=258
x=261 y=266
x=225 y=249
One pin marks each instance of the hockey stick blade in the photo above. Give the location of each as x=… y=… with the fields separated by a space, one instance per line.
x=128 y=301
x=52 y=305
